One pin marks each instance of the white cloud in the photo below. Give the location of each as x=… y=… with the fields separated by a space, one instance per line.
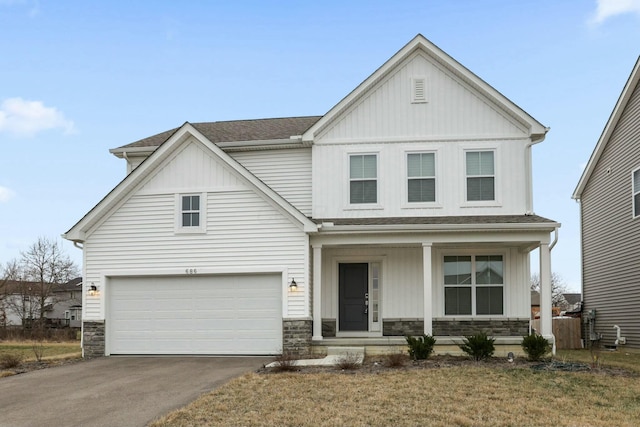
x=608 y=8
x=5 y=194
x=26 y=118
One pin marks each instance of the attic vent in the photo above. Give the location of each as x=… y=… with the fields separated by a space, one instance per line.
x=418 y=90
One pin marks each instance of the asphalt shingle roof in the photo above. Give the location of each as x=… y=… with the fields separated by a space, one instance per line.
x=239 y=130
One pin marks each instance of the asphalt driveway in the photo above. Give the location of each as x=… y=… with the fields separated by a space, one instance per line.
x=114 y=391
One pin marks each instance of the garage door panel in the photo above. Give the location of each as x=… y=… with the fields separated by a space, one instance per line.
x=232 y=314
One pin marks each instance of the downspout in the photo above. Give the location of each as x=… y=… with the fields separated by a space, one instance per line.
x=529 y=170
x=78 y=245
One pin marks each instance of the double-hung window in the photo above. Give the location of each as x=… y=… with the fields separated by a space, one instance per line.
x=636 y=193
x=473 y=285
x=421 y=176
x=480 y=175
x=363 y=178
x=191 y=211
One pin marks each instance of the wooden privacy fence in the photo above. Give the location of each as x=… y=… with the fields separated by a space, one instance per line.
x=566 y=330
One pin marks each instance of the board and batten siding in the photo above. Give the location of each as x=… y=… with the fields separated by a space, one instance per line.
x=610 y=234
x=331 y=180
x=244 y=231
x=451 y=108
x=402 y=286
x=287 y=172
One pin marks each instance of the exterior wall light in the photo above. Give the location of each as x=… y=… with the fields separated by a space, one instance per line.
x=93 y=290
x=293 y=286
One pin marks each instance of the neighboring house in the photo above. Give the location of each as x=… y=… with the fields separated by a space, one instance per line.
x=570 y=302
x=67 y=309
x=566 y=302
x=406 y=209
x=20 y=302
x=609 y=196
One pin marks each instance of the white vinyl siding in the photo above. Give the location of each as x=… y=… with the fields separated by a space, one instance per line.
x=287 y=172
x=480 y=175
x=453 y=108
x=242 y=232
x=363 y=178
x=636 y=193
x=401 y=273
x=421 y=176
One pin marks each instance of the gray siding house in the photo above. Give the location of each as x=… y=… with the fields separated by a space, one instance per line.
x=609 y=196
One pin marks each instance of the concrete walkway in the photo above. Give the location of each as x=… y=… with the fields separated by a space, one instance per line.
x=114 y=391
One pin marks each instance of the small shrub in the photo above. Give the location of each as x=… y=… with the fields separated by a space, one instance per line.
x=420 y=348
x=478 y=346
x=10 y=361
x=395 y=359
x=285 y=362
x=535 y=346
x=349 y=362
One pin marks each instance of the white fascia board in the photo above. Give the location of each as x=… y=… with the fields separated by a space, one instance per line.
x=537 y=131
x=134 y=151
x=625 y=95
x=78 y=232
x=447 y=228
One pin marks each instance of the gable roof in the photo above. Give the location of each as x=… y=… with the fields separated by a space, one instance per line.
x=536 y=130
x=630 y=86
x=233 y=131
x=121 y=192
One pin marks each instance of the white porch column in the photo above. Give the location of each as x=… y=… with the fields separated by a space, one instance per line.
x=546 y=324
x=427 y=278
x=317 y=293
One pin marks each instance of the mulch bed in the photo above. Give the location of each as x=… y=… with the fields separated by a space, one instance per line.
x=379 y=364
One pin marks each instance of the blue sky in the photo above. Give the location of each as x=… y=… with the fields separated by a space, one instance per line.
x=80 y=77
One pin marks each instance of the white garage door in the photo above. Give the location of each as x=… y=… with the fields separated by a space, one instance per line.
x=222 y=314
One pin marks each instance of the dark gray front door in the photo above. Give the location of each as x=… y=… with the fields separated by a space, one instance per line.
x=353 y=287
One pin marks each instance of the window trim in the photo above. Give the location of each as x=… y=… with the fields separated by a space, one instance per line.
x=496 y=202
x=200 y=229
x=634 y=193
x=356 y=206
x=473 y=285
x=406 y=204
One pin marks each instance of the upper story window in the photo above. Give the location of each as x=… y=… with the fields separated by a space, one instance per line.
x=473 y=285
x=636 y=193
x=421 y=175
x=480 y=175
x=190 y=213
x=363 y=178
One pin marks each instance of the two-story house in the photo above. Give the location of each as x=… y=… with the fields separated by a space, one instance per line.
x=406 y=209
x=609 y=196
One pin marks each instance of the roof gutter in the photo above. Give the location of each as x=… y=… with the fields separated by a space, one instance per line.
x=329 y=227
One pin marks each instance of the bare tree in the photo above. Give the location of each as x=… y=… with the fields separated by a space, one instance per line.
x=30 y=281
x=558 y=287
x=47 y=265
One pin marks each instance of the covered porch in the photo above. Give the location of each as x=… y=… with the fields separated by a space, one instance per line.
x=373 y=284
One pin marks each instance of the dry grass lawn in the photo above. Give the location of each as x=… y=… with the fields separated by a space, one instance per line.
x=51 y=349
x=473 y=396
